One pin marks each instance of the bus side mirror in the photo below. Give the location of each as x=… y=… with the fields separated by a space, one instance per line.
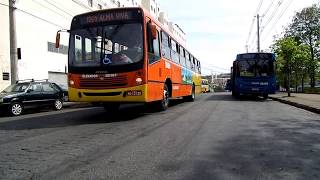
x=58 y=40
x=154 y=31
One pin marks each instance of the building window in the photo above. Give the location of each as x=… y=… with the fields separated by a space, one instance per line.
x=61 y=50
x=5 y=76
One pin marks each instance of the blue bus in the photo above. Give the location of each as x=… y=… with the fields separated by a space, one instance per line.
x=253 y=74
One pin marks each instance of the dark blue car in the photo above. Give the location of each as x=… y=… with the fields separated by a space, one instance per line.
x=17 y=97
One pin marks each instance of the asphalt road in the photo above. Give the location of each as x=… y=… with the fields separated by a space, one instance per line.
x=215 y=137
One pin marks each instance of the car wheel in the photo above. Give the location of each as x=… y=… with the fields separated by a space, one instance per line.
x=16 y=109
x=58 y=104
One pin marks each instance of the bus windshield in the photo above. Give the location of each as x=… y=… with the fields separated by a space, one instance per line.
x=255 y=68
x=108 y=45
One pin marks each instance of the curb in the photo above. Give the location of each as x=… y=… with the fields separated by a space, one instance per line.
x=302 y=106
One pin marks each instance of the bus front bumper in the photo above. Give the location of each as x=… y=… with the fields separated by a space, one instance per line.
x=122 y=95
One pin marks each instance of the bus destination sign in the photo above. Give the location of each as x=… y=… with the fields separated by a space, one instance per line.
x=114 y=16
x=108 y=16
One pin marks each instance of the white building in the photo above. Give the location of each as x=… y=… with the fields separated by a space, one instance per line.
x=163 y=18
x=4 y=45
x=152 y=6
x=178 y=33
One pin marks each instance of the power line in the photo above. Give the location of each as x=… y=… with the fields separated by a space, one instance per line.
x=279 y=17
x=259 y=6
x=33 y=16
x=253 y=20
x=250 y=31
x=68 y=18
x=273 y=14
x=268 y=9
x=59 y=8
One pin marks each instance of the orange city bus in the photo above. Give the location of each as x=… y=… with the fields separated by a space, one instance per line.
x=124 y=55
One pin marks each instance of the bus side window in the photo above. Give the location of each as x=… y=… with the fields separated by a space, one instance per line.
x=188 y=61
x=182 y=56
x=165 y=48
x=193 y=64
x=199 y=67
x=174 y=51
x=155 y=55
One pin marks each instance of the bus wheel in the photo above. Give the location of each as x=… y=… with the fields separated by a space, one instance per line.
x=192 y=96
x=111 y=108
x=164 y=103
x=265 y=96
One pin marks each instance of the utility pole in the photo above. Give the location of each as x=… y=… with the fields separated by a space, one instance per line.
x=247 y=46
x=288 y=76
x=258 y=32
x=13 y=42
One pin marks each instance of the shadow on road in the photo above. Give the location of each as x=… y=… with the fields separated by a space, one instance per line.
x=94 y=115
x=288 y=149
x=228 y=97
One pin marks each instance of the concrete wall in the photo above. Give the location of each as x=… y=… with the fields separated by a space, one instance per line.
x=4 y=44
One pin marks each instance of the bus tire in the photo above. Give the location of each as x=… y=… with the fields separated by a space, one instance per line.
x=265 y=96
x=164 y=103
x=235 y=94
x=192 y=96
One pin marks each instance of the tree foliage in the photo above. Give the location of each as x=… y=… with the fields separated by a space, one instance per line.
x=300 y=47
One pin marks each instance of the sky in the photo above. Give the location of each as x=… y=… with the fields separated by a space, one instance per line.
x=217 y=30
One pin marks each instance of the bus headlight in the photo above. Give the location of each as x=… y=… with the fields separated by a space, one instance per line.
x=139 y=81
x=71 y=82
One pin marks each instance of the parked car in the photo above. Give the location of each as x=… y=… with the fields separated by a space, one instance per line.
x=28 y=93
x=228 y=85
x=65 y=91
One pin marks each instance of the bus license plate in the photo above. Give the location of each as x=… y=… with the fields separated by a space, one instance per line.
x=134 y=93
x=255 y=89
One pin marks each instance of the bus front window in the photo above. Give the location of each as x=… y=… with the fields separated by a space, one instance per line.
x=110 y=45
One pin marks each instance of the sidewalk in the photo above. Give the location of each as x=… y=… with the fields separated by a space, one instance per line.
x=310 y=102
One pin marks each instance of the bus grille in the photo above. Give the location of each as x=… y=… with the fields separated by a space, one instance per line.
x=105 y=82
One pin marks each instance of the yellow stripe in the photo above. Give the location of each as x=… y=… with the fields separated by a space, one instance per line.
x=74 y=95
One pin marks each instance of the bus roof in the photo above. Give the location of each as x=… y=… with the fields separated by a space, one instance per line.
x=246 y=56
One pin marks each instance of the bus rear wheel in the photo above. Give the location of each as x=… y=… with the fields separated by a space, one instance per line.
x=192 y=96
x=265 y=96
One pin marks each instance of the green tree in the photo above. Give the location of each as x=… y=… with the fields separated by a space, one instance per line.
x=305 y=28
x=286 y=49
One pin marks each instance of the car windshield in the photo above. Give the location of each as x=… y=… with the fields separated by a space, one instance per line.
x=110 y=45
x=17 y=88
